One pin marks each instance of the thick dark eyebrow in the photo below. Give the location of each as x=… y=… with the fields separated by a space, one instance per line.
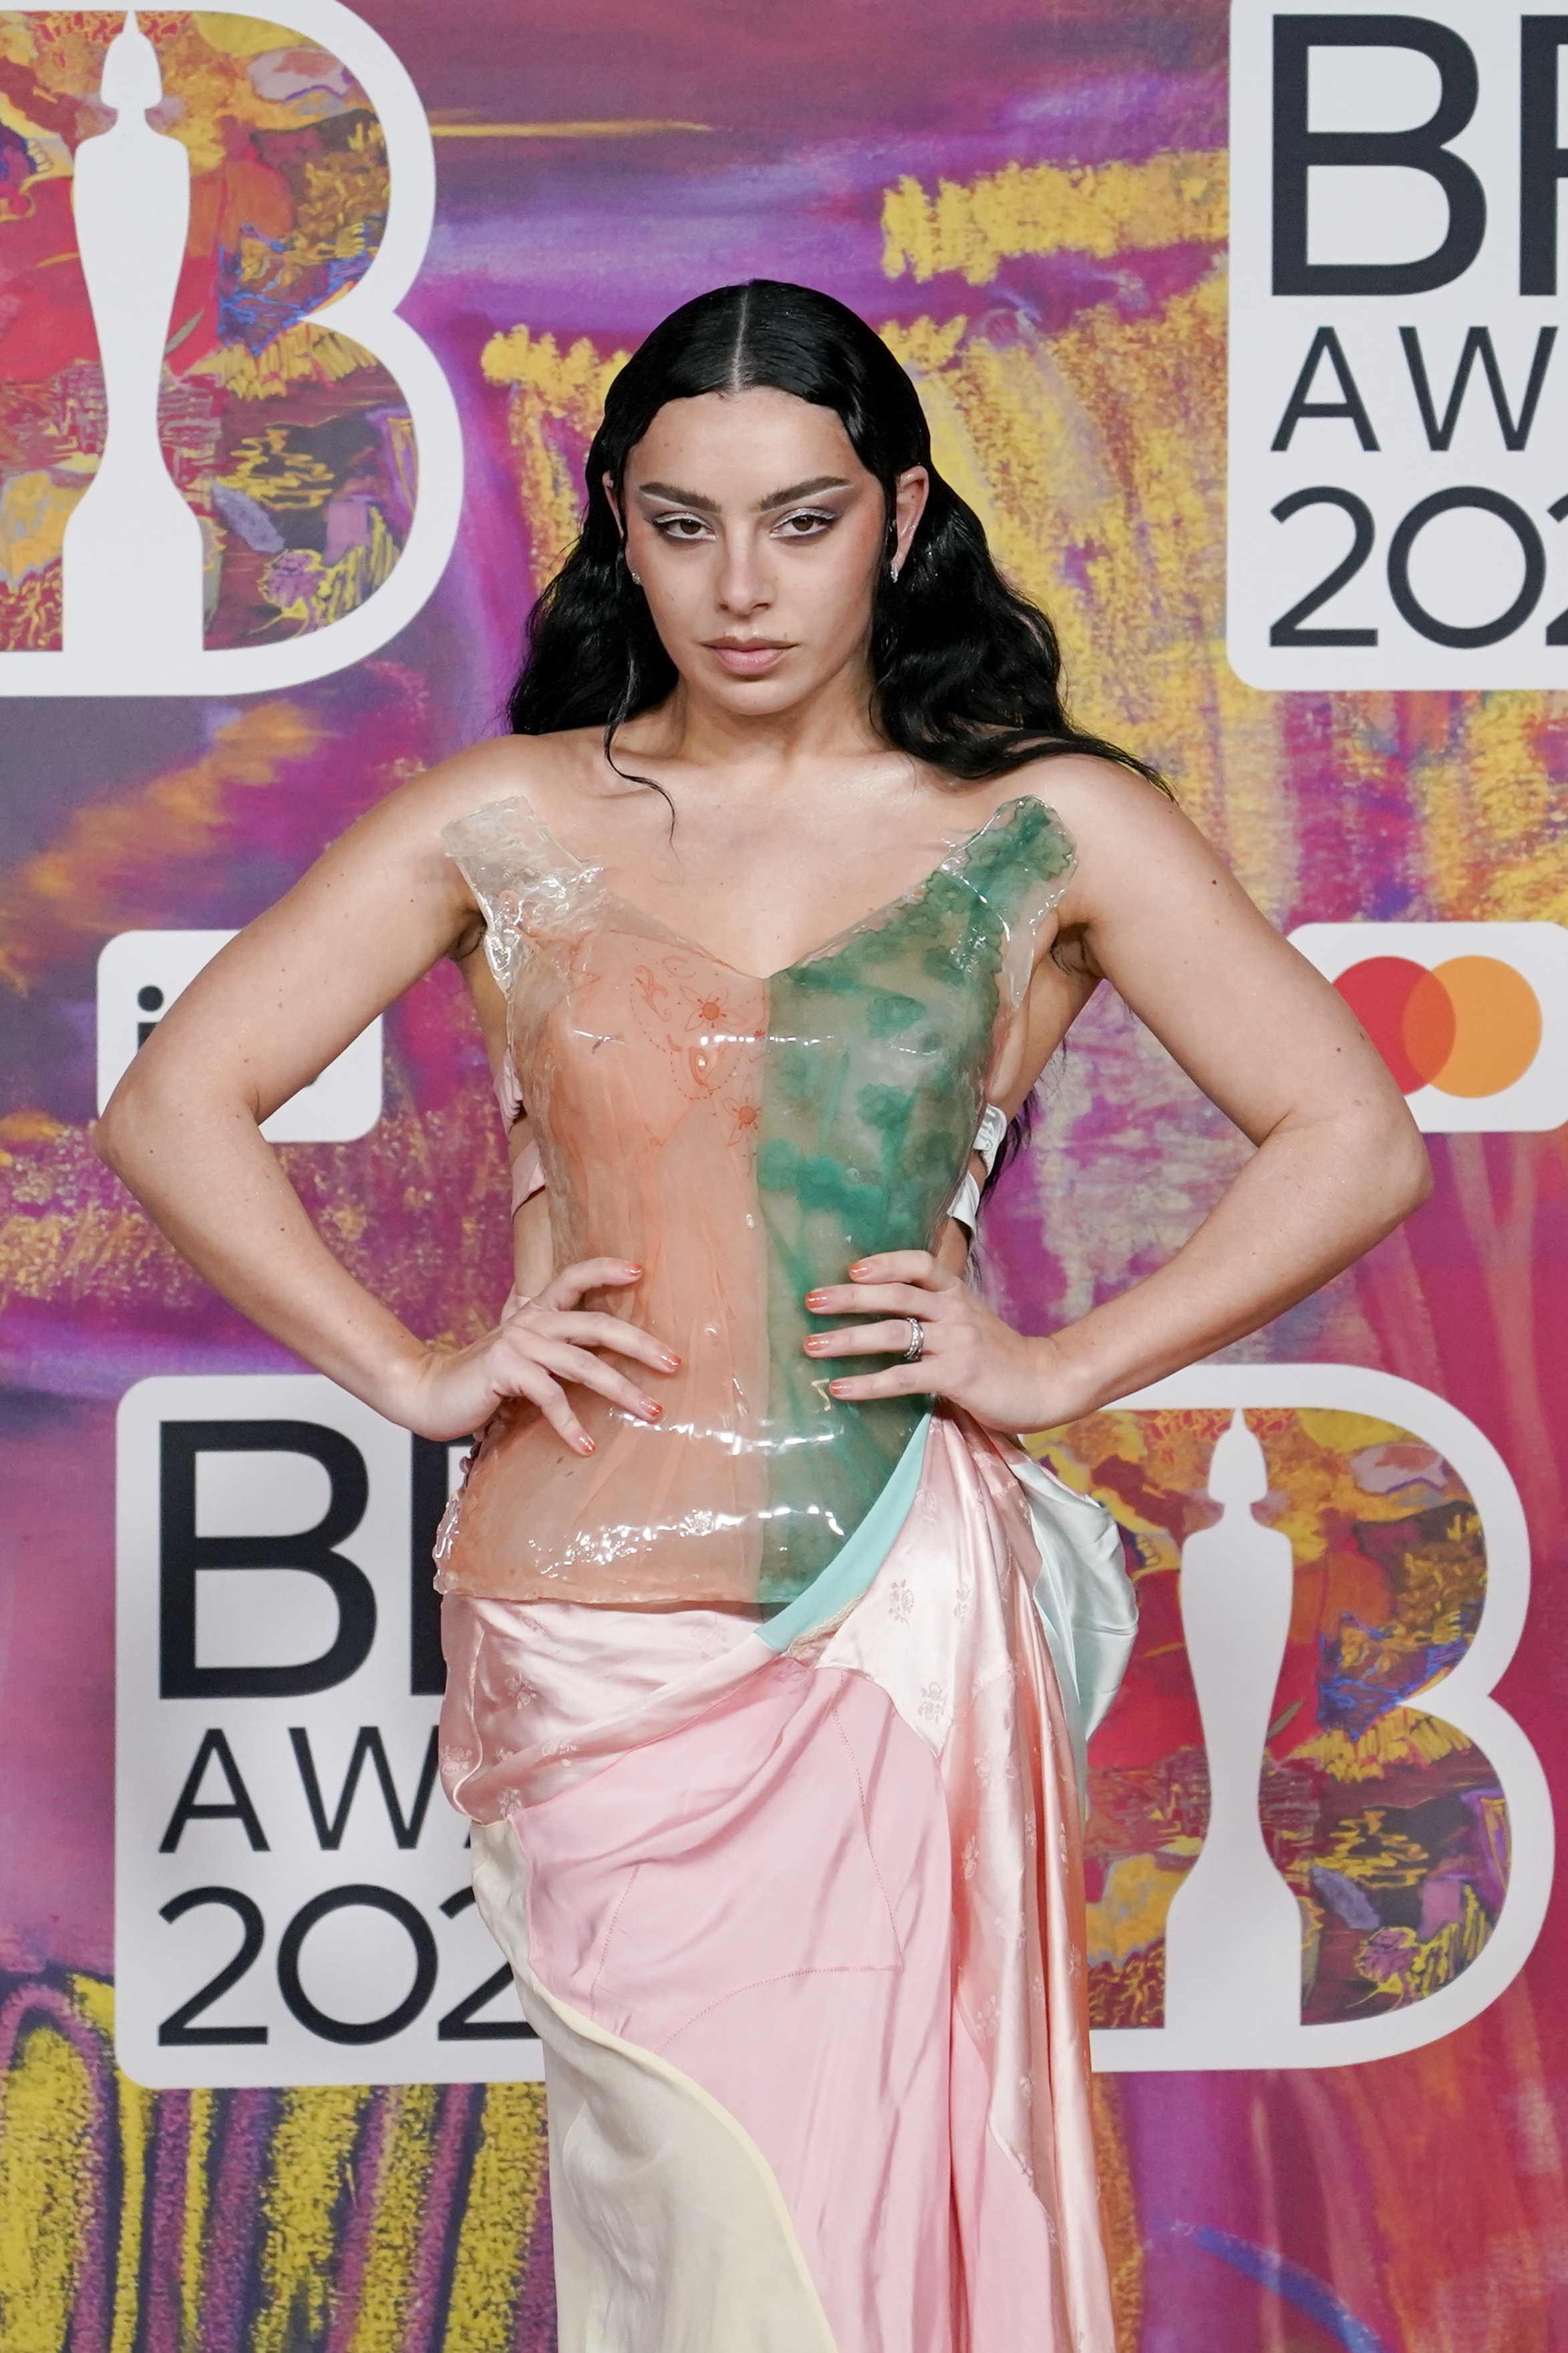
x=765 y=506
x=801 y=490
x=677 y=497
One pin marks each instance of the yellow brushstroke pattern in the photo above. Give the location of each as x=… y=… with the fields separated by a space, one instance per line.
x=1119 y=2206
x=193 y=2230
x=1180 y=198
x=96 y=2001
x=1490 y=814
x=67 y=1231
x=30 y=615
x=1108 y=483
x=1402 y=1736
x=923 y=347
x=46 y=2192
x=48 y=154
x=1132 y=1913
x=325 y=592
x=241 y=37
x=311 y=2148
x=550 y=390
x=33 y=511
x=298 y=354
x=205 y=61
x=498 y=2219
x=1313 y=1468
x=46 y=2164
x=380 y=2325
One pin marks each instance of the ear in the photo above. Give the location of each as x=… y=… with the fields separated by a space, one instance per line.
x=614 y=505
x=910 y=495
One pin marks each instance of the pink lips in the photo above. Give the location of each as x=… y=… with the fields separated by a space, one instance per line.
x=742 y=661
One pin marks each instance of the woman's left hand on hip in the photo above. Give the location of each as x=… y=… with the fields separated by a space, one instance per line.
x=1002 y=1376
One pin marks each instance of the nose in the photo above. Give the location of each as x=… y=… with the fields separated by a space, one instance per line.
x=743 y=586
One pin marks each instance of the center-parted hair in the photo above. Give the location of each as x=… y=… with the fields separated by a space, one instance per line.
x=966 y=675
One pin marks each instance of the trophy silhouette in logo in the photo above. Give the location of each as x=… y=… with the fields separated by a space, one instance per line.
x=1234 y=1930
x=1232 y=1942
x=132 y=556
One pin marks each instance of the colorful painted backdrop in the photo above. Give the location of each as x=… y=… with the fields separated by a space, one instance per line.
x=1029 y=198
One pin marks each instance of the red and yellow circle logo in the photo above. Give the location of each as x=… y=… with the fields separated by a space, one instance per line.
x=1469 y=1027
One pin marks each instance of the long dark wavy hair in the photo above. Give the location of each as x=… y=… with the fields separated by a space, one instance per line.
x=966 y=674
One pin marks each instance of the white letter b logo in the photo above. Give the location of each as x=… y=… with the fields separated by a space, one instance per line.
x=248 y=468
x=1315 y=1838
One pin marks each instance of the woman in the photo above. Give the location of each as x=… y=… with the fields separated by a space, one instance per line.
x=771 y=1653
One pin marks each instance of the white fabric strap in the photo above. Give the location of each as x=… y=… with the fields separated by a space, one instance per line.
x=965 y=1206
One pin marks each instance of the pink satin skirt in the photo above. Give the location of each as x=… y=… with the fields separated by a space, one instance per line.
x=801 y=1930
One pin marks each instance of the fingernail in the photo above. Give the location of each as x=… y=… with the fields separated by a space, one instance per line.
x=630 y=1268
x=836 y=1388
x=584 y=1446
x=671 y=1360
x=860 y=1267
x=817 y=1343
x=652 y=1410
x=814 y=1300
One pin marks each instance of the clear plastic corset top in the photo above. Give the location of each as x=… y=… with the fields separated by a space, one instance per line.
x=743 y=1141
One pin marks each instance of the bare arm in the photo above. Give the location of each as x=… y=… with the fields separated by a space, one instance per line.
x=1339 y=1161
x=266 y=1016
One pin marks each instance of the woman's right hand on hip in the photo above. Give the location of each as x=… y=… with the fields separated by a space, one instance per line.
x=540 y=1346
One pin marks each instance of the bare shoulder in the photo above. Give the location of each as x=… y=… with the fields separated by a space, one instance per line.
x=399 y=841
x=547 y=770
x=1125 y=830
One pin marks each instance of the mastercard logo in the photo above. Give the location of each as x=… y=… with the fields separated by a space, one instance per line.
x=1471 y=1018
x=1472 y=1026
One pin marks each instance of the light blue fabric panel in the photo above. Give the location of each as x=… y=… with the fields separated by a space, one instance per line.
x=856 y=1563
x=1087 y=1606
x=1085 y=1599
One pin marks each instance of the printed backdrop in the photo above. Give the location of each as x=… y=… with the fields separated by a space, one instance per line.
x=1028 y=199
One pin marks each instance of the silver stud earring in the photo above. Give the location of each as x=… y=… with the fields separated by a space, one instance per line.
x=637 y=578
x=893 y=570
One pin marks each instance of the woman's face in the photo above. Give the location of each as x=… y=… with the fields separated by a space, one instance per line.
x=757 y=534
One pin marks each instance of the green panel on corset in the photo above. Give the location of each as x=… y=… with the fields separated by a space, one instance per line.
x=878 y=1048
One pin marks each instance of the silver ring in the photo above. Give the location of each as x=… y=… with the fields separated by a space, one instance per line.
x=917 y=1346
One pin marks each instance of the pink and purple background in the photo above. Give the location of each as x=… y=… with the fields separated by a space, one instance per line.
x=1416 y=2205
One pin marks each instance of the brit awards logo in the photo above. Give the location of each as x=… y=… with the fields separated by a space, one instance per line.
x=1315 y=1837
x=1344 y=1850
x=1397 y=373
x=235 y=468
